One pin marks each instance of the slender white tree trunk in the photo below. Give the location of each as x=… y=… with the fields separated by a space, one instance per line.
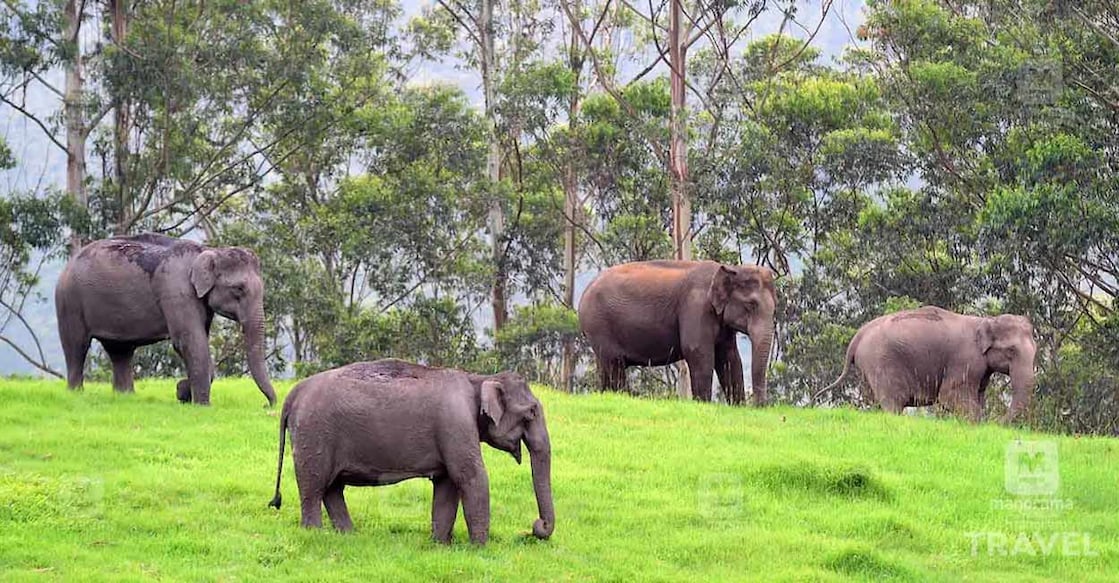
x=73 y=115
x=575 y=60
x=121 y=124
x=493 y=165
x=678 y=158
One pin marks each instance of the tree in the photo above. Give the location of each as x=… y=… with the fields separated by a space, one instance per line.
x=477 y=27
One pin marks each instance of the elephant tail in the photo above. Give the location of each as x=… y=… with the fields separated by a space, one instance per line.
x=846 y=367
x=278 y=499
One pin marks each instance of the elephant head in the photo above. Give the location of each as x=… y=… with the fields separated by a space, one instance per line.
x=1007 y=344
x=509 y=414
x=745 y=299
x=228 y=280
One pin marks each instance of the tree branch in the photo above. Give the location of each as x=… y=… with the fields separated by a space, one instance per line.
x=651 y=19
x=819 y=24
x=31 y=116
x=604 y=79
x=459 y=20
x=30 y=331
x=37 y=364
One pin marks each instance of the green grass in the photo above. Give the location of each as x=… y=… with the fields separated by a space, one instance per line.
x=99 y=486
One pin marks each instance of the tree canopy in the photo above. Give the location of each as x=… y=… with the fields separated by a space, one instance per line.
x=962 y=154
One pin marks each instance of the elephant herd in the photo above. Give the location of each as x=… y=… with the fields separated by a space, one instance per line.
x=381 y=422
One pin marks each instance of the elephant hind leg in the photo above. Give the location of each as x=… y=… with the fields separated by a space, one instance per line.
x=336 y=508
x=311 y=509
x=612 y=374
x=312 y=473
x=121 y=356
x=889 y=391
x=75 y=347
x=892 y=404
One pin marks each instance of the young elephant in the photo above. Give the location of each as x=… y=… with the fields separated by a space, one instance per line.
x=919 y=357
x=378 y=423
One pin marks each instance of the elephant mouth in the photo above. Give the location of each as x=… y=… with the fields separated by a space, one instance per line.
x=225 y=314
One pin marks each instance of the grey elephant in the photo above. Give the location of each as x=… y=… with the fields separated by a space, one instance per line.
x=132 y=291
x=653 y=313
x=916 y=358
x=377 y=423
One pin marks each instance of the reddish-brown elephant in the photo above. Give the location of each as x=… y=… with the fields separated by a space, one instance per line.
x=916 y=358
x=653 y=313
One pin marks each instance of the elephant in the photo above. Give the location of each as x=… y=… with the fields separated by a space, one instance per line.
x=653 y=313
x=915 y=358
x=382 y=422
x=131 y=291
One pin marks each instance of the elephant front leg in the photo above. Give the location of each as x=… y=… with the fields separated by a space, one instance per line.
x=195 y=351
x=474 y=487
x=701 y=367
x=444 y=509
x=962 y=399
x=182 y=390
x=728 y=367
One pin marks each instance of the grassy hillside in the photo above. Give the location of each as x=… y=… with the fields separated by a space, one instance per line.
x=96 y=486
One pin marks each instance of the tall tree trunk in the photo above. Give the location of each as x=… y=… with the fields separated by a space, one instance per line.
x=119 y=11
x=678 y=158
x=493 y=166
x=571 y=207
x=73 y=115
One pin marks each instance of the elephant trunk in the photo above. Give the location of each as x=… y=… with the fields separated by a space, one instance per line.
x=540 y=452
x=253 y=329
x=1022 y=381
x=759 y=362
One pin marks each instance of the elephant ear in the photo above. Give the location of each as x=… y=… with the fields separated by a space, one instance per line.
x=721 y=285
x=492 y=401
x=202 y=274
x=985 y=336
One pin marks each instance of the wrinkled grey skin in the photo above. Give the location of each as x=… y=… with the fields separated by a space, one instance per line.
x=915 y=358
x=377 y=423
x=653 y=313
x=133 y=291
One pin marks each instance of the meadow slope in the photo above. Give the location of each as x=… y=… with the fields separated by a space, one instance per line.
x=95 y=486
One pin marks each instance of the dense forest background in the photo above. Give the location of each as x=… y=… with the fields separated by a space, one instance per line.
x=958 y=153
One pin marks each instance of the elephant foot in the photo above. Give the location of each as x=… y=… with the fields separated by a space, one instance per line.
x=182 y=391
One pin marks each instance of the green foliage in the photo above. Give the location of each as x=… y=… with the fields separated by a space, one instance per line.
x=433 y=331
x=964 y=155
x=532 y=342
